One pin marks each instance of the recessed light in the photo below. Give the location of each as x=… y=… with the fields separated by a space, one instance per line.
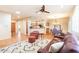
x=18 y=12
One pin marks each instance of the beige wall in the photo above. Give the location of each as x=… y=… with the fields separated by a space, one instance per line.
x=62 y=21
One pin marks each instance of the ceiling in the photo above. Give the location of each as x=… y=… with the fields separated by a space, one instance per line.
x=31 y=10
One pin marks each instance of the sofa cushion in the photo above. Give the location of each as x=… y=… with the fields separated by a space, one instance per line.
x=70 y=44
x=56 y=47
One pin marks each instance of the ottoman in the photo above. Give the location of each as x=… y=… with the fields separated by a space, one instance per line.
x=32 y=39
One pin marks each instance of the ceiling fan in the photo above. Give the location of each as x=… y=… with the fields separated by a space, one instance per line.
x=43 y=9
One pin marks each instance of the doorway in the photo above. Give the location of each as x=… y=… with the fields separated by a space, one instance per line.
x=13 y=29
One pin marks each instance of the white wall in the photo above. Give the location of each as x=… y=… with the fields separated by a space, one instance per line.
x=5 y=26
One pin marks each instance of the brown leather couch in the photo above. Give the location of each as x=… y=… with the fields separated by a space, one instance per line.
x=70 y=45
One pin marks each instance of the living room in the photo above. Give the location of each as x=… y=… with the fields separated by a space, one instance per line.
x=33 y=28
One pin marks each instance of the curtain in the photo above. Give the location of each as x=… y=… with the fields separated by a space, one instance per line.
x=74 y=21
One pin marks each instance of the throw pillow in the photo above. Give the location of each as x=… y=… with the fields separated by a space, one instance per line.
x=56 y=47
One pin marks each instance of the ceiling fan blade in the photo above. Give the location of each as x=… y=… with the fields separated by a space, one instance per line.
x=43 y=9
x=46 y=12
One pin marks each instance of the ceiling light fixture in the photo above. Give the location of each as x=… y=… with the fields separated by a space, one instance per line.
x=18 y=12
x=43 y=10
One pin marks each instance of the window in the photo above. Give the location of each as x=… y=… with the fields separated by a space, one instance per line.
x=74 y=21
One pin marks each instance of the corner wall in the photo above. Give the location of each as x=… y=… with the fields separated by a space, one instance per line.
x=5 y=26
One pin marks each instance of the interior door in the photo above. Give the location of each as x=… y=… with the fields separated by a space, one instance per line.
x=13 y=29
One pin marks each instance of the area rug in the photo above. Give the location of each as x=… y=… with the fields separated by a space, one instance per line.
x=25 y=47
